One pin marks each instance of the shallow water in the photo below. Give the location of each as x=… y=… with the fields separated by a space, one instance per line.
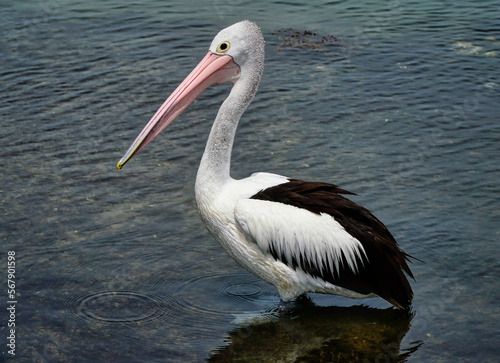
x=402 y=108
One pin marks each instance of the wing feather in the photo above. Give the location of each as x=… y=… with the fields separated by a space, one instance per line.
x=316 y=244
x=311 y=226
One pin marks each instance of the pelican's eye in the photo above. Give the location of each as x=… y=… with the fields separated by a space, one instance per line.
x=223 y=47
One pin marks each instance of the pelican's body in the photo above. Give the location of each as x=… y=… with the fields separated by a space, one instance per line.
x=247 y=228
x=298 y=236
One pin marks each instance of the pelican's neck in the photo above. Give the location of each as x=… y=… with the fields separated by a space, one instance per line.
x=213 y=172
x=214 y=168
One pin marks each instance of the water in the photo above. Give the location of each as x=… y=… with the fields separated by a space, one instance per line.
x=402 y=110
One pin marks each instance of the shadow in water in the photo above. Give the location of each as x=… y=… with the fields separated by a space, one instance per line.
x=309 y=333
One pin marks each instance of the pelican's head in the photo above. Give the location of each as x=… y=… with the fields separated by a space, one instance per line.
x=236 y=55
x=242 y=41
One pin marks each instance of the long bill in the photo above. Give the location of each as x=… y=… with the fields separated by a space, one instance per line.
x=213 y=68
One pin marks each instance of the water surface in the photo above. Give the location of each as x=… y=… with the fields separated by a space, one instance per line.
x=402 y=110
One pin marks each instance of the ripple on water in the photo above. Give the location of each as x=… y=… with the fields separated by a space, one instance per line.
x=220 y=295
x=118 y=307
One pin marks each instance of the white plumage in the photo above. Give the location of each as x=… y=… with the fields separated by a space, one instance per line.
x=297 y=233
x=248 y=229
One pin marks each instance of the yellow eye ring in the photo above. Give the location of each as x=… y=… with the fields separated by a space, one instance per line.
x=223 y=47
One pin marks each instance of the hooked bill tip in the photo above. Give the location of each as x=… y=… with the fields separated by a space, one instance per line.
x=122 y=162
x=130 y=152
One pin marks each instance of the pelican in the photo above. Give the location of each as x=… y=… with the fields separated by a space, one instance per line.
x=298 y=236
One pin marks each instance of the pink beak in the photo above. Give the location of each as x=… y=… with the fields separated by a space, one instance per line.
x=213 y=68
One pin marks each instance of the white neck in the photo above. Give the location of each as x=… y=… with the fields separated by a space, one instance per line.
x=214 y=168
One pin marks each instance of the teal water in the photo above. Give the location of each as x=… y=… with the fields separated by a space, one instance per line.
x=402 y=108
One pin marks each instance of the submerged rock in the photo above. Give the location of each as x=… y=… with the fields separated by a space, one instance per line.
x=306 y=39
x=467 y=48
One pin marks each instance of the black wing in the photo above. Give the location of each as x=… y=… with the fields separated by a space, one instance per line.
x=381 y=272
